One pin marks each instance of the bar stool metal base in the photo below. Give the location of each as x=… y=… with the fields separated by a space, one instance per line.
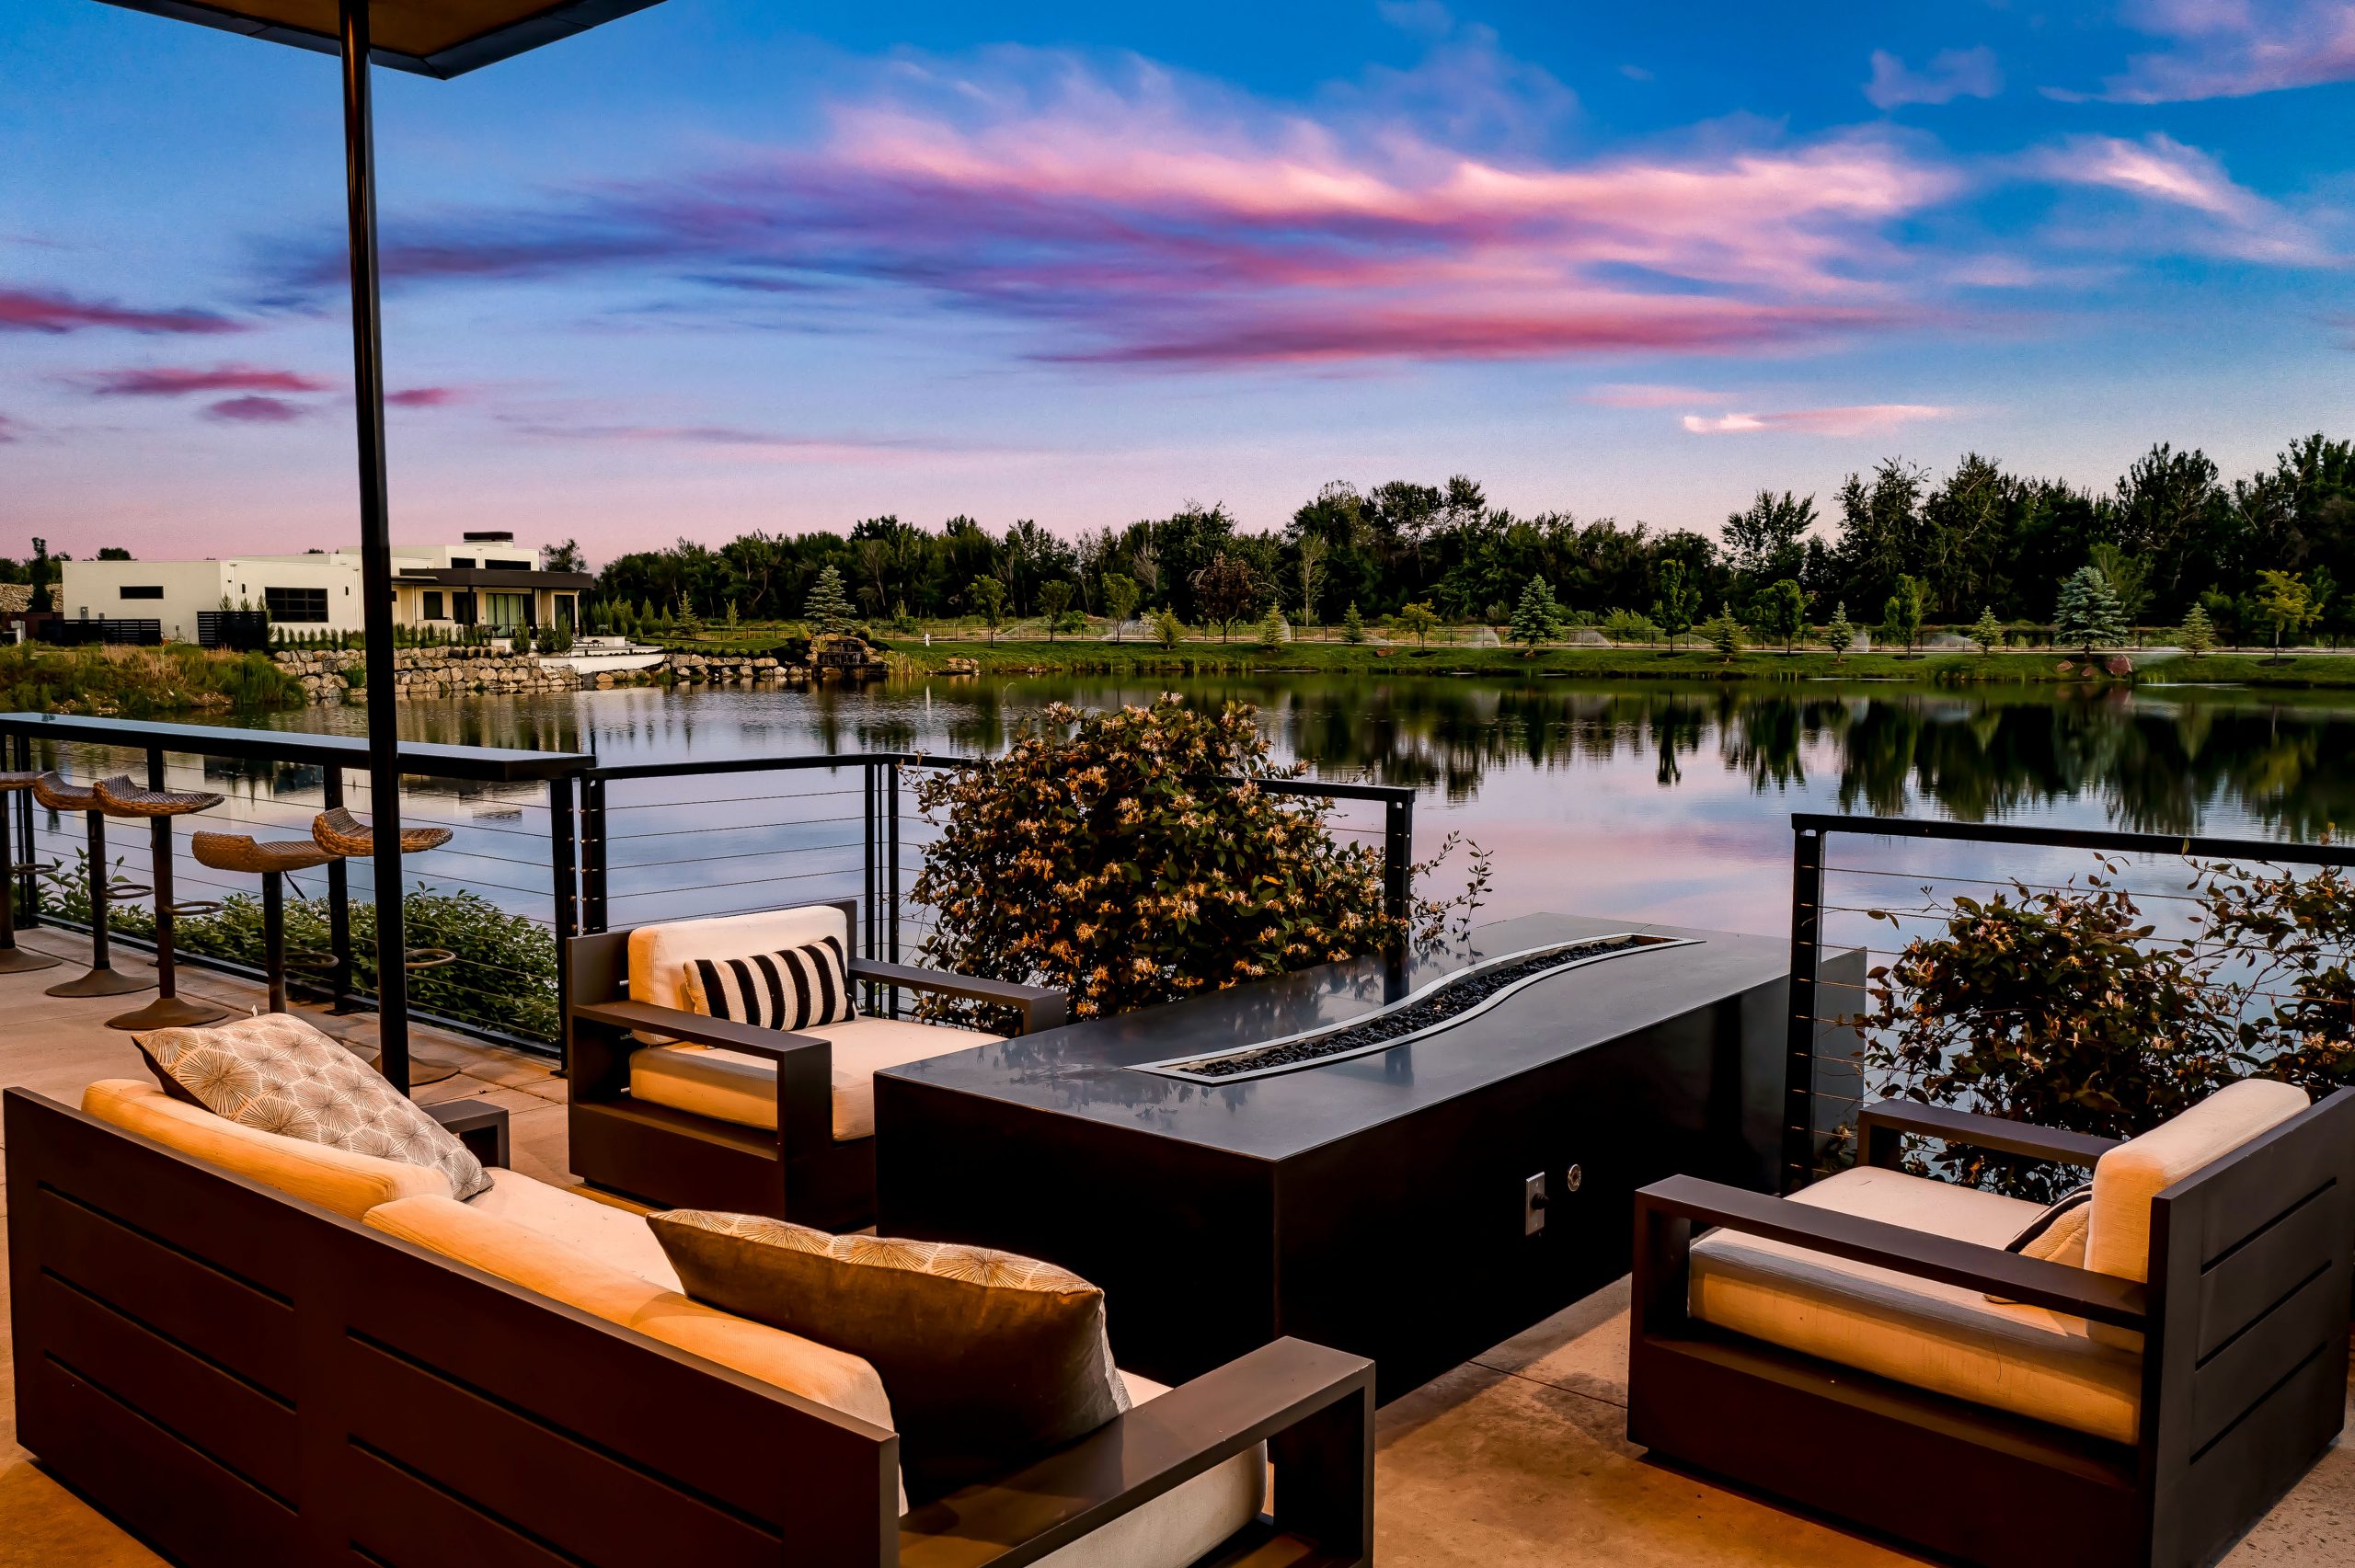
x=102 y=983
x=22 y=961
x=169 y=1012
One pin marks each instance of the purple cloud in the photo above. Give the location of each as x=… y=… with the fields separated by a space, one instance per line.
x=49 y=311
x=2231 y=49
x=181 y=381
x=1951 y=73
x=256 y=410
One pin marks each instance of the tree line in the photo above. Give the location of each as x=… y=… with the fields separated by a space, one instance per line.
x=2171 y=534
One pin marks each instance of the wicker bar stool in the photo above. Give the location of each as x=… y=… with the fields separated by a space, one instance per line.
x=271 y=861
x=122 y=797
x=337 y=831
x=16 y=960
x=103 y=979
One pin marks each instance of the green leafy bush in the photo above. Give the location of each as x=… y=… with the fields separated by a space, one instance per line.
x=1100 y=855
x=2060 y=1006
x=135 y=683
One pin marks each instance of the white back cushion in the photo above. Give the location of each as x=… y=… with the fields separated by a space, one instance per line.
x=659 y=953
x=349 y=1184
x=2118 y=1236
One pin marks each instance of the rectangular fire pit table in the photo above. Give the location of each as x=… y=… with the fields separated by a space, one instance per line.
x=1415 y=1204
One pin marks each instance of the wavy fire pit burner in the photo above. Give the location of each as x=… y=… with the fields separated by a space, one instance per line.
x=1442 y=1004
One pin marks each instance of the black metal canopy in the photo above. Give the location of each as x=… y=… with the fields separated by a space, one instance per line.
x=430 y=38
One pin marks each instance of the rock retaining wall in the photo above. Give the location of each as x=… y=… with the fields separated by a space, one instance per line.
x=328 y=676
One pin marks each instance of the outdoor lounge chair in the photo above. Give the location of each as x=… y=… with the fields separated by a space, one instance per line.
x=373 y=1372
x=689 y=1111
x=1869 y=1349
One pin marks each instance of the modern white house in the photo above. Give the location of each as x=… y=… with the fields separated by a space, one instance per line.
x=486 y=580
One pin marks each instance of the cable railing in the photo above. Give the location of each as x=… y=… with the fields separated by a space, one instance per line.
x=1854 y=916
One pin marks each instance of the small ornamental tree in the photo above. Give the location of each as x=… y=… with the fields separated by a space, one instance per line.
x=2088 y=615
x=1679 y=601
x=1782 y=612
x=2287 y=604
x=1272 y=630
x=1419 y=619
x=1987 y=632
x=828 y=608
x=1901 y=616
x=1167 y=630
x=1120 y=596
x=2198 y=636
x=1354 y=624
x=1838 y=634
x=1537 y=617
x=1224 y=590
x=1724 y=634
x=1100 y=855
x=1626 y=626
x=1054 y=598
x=988 y=595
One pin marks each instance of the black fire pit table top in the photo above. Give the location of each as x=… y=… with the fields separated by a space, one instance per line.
x=1102 y=1070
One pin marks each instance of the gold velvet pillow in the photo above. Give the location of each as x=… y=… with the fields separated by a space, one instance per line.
x=989 y=1359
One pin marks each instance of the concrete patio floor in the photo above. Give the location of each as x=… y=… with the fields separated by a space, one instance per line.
x=1518 y=1457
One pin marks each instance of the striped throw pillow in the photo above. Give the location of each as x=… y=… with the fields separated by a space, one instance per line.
x=799 y=988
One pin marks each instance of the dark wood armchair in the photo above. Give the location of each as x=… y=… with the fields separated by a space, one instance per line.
x=2235 y=1384
x=796 y=1155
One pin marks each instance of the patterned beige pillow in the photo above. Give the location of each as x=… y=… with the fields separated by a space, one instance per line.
x=989 y=1358
x=278 y=1074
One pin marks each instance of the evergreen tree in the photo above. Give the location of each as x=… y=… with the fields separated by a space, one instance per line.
x=828 y=608
x=2089 y=614
x=1838 y=634
x=1987 y=632
x=2198 y=637
x=1169 y=630
x=1724 y=634
x=1272 y=630
x=687 y=620
x=1537 y=618
x=1354 y=624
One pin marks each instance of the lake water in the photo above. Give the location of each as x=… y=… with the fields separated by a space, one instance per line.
x=1654 y=802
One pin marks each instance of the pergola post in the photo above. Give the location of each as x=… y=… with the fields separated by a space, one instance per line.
x=375 y=544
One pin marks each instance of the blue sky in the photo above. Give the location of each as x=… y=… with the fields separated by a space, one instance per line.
x=727 y=264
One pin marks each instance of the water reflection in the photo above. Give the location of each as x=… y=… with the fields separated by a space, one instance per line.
x=1656 y=800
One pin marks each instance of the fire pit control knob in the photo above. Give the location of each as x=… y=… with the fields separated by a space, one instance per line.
x=1574 y=1180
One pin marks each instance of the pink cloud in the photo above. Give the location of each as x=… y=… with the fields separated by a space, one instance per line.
x=2230 y=49
x=1856 y=420
x=1646 y=395
x=181 y=381
x=7 y=430
x=1144 y=220
x=256 y=410
x=426 y=397
x=45 y=310
x=2232 y=219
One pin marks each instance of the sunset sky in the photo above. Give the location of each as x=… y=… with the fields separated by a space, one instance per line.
x=738 y=264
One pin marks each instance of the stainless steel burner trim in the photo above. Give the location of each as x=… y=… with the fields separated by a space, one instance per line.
x=1175 y=1067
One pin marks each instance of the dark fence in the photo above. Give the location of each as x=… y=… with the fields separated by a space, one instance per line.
x=83 y=633
x=1851 y=912
x=241 y=631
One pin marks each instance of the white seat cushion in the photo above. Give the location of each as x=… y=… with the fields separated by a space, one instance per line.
x=730 y=1086
x=612 y=1235
x=659 y=953
x=2118 y=1235
x=1183 y=1524
x=2027 y=1360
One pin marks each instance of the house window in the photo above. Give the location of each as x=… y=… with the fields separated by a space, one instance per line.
x=495 y=565
x=462 y=608
x=296 y=603
x=467 y=561
x=434 y=605
x=135 y=590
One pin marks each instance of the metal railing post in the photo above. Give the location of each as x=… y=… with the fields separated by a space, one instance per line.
x=592 y=854
x=891 y=824
x=567 y=886
x=1807 y=954
x=28 y=884
x=1397 y=855
x=339 y=906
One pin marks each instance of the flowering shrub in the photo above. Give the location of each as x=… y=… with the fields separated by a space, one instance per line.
x=2056 y=1005
x=1102 y=856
